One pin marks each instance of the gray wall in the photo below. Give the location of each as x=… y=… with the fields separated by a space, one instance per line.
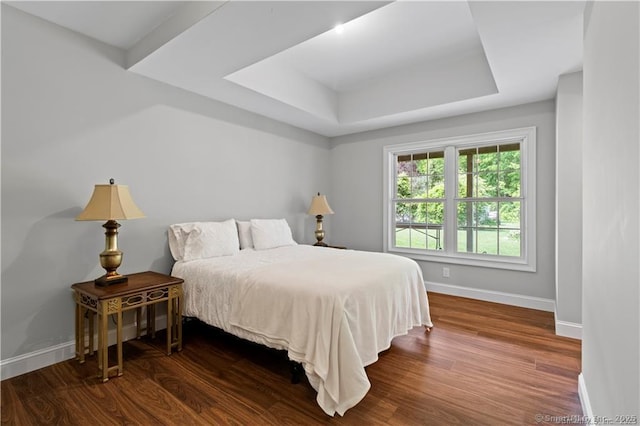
x=73 y=117
x=611 y=202
x=356 y=193
x=569 y=198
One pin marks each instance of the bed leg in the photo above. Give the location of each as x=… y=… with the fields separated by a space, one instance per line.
x=296 y=372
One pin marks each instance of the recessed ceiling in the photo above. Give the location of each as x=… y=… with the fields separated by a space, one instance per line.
x=394 y=62
x=363 y=73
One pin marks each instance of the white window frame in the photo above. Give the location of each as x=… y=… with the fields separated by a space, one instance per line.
x=527 y=139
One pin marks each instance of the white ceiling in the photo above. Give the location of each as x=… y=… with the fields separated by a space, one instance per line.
x=394 y=62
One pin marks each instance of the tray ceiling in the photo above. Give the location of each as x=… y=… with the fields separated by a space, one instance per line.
x=391 y=63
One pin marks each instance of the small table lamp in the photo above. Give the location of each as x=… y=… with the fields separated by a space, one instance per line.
x=319 y=206
x=110 y=202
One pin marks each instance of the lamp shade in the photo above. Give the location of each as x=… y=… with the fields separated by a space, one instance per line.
x=319 y=206
x=110 y=202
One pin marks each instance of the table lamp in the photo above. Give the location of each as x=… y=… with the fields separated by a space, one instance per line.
x=319 y=207
x=110 y=202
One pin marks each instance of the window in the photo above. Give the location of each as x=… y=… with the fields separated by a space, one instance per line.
x=468 y=200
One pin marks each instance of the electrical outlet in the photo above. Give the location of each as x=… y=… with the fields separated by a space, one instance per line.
x=445 y=272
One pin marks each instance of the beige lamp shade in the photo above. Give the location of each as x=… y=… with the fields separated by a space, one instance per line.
x=319 y=206
x=110 y=202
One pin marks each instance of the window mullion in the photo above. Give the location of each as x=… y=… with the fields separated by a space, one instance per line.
x=450 y=191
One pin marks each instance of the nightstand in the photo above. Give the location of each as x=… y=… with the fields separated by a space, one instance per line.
x=141 y=289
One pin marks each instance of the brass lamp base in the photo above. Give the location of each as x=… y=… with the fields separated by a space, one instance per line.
x=105 y=280
x=111 y=257
x=319 y=232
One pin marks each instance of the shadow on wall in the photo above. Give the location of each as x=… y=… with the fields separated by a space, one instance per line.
x=37 y=300
x=165 y=263
x=36 y=284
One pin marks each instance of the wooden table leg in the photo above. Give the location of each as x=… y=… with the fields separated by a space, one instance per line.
x=151 y=321
x=119 y=338
x=91 y=317
x=169 y=323
x=179 y=321
x=174 y=322
x=138 y=325
x=79 y=333
x=103 y=342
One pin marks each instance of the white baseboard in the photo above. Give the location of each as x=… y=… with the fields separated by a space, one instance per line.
x=587 y=412
x=531 y=302
x=48 y=356
x=35 y=360
x=569 y=329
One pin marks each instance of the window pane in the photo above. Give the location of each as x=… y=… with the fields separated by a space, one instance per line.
x=409 y=213
x=419 y=225
x=473 y=240
x=486 y=214
x=404 y=166
x=419 y=213
x=436 y=163
x=418 y=238
x=510 y=243
x=510 y=214
x=435 y=213
x=489 y=227
x=410 y=237
x=487 y=241
x=420 y=175
x=435 y=237
x=465 y=214
x=487 y=159
x=473 y=185
x=403 y=187
x=465 y=186
x=435 y=225
x=419 y=187
x=436 y=186
x=465 y=160
x=467 y=240
x=403 y=237
x=403 y=213
x=510 y=184
x=510 y=157
x=487 y=184
x=420 y=165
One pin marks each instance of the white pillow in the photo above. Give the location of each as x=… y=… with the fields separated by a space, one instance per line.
x=244 y=234
x=271 y=233
x=177 y=236
x=212 y=239
x=219 y=235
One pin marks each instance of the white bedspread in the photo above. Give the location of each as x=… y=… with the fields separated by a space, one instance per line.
x=332 y=310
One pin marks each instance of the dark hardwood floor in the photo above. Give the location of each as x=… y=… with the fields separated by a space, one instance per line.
x=483 y=363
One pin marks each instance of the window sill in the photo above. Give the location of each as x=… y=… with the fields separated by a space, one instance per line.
x=468 y=260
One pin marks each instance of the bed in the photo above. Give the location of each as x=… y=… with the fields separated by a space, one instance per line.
x=331 y=310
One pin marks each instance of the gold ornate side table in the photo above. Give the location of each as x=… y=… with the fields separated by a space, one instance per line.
x=142 y=289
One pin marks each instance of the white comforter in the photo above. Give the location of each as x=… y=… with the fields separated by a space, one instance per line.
x=332 y=310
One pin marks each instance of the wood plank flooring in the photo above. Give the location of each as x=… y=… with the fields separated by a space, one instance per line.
x=482 y=364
